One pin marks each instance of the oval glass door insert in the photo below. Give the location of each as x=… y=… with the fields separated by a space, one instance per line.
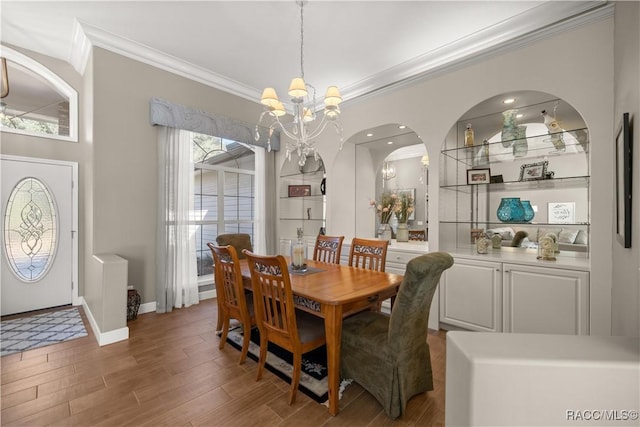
x=30 y=230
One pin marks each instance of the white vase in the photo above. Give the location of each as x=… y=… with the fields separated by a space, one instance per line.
x=384 y=232
x=402 y=232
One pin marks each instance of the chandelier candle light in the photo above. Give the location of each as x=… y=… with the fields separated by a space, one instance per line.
x=303 y=98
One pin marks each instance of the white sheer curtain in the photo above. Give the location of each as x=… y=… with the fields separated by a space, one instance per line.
x=177 y=278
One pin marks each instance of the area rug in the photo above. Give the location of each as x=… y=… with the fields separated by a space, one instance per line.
x=39 y=330
x=313 y=378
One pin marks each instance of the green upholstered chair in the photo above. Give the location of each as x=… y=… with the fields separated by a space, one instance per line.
x=239 y=241
x=389 y=355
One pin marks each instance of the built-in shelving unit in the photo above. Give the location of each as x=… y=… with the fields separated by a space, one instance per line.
x=563 y=174
x=504 y=290
x=302 y=202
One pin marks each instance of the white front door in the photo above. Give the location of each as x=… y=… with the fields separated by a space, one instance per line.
x=38 y=248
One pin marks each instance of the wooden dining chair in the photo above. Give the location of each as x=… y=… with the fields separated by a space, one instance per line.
x=278 y=320
x=368 y=253
x=232 y=300
x=328 y=249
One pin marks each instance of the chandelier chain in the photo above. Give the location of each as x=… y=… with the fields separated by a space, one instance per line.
x=304 y=128
x=302 y=39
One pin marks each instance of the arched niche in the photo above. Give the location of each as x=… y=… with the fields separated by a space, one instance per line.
x=390 y=145
x=537 y=162
x=302 y=197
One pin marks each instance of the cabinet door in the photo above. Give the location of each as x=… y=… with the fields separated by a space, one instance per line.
x=471 y=295
x=545 y=300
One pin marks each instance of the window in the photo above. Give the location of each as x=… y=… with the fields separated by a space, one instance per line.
x=30 y=230
x=224 y=194
x=39 y=102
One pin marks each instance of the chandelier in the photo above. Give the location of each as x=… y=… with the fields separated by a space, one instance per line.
x=304 y=127
x=388 y=171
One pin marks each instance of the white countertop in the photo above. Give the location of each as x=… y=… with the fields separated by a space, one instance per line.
x=502 y=379
x=565 y=259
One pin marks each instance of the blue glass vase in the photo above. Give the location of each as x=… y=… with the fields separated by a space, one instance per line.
x=510 y=210
x=528 y=210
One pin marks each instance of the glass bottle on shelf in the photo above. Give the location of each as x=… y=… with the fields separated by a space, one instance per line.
x=468 y=136
x=482 y=158
x=554 y=130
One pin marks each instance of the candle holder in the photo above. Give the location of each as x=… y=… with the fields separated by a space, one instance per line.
x=299 y=253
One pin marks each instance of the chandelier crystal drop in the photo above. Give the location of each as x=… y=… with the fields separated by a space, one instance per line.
x=304 y=127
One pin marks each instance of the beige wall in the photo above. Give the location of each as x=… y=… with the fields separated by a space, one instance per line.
x=117 y=152
x=575 y=65
x=626 y=277
x=125 y=155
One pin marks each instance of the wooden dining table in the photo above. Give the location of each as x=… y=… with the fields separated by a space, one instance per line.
x=332 y=292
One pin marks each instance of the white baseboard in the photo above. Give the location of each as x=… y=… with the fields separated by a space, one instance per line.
x=207 y=294
x=147 y=307
x=104 y=338
x=150 y=307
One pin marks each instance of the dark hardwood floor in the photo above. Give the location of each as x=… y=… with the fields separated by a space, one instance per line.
x=171 y=372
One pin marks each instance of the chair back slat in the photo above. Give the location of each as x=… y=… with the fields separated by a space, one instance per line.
x=328 y=249
x=271 y=286
x=228 y=277
x=369 y=254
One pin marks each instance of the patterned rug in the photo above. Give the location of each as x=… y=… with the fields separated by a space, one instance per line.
x=31 y=332
x=313 y=378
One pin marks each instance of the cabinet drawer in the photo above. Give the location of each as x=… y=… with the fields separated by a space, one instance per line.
x=398 y=257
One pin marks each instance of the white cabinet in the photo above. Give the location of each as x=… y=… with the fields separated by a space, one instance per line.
x=498 y=296
x=545 y=300
x=471 y=295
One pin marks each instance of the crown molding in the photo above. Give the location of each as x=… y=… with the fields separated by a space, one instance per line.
x=80 y=48
x=543 y=21
x=99 y=38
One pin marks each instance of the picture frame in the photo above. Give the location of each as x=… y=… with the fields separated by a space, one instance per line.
x=299 y=190
x=412 y=193
x=561 y=212
x=623 y=181
x=533 y=171
x=478 y=176
x=497 y=179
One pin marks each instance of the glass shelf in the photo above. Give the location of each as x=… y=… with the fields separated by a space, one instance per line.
x=311 y=176
x=509 y=224
x=569 y=181
x=539 y=146
x=313 y=198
